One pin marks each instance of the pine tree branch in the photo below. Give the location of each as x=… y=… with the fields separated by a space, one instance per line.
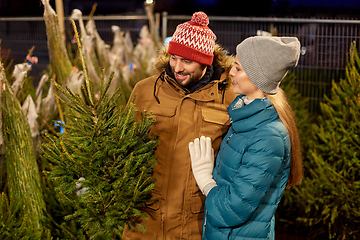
x=87 y=81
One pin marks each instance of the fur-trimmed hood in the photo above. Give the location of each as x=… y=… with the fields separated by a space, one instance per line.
x=221 y=59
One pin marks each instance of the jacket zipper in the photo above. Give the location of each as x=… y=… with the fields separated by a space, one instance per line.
x=163 y=224
x=204 y=225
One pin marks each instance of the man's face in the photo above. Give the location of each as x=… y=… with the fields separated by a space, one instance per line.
x=186 y=72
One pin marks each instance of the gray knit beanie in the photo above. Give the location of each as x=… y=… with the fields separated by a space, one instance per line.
x=266 y=60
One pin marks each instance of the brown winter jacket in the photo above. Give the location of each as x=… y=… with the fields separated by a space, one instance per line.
x=180 y=118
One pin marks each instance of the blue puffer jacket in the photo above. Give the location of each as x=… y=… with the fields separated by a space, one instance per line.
x=252 y=169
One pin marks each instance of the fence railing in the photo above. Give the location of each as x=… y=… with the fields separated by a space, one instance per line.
x=325 y=42
x=325 y=45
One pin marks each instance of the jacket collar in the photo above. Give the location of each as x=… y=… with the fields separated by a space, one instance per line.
x=246 y=118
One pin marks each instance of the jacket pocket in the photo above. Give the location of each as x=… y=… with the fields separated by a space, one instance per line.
x=164 y=116
x=197 y=203
x=215 y=122
x=154 y=205
x=164 y=111
x=215 y=116
x=153 y=210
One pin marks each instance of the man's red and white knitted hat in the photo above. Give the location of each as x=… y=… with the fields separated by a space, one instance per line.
x=194 y=40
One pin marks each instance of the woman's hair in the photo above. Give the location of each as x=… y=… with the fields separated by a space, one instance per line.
x=287 y=116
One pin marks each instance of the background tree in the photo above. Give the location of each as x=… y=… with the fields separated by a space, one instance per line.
x=22 y=202
x=327 y=201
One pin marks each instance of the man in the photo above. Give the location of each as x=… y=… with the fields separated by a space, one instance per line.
x=188 y=98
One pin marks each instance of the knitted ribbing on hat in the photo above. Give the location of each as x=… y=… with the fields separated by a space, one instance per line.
x=194 y=40
x=266 y=60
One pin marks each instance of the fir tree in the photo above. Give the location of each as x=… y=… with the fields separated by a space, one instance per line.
x=328 y=200
x=60 y=63
x=22 y=203
x=114 y=155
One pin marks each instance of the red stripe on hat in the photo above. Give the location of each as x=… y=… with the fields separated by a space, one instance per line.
x=190 y=53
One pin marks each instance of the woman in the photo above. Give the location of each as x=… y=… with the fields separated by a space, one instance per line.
x=260 y=154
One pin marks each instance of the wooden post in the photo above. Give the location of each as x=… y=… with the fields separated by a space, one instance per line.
x=60 y=14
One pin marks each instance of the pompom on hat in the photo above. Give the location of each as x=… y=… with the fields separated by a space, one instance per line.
x=194 y=40
x=266 y=60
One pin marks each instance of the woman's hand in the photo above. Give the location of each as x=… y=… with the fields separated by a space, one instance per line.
x=202 y=163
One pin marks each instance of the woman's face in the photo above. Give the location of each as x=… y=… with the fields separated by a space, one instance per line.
x=242 y=84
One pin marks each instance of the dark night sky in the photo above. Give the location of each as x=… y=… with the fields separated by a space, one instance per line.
x=256 y=8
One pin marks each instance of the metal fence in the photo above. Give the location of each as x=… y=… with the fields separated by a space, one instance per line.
x=325 y=42
x=325 y=46
x=18 y=35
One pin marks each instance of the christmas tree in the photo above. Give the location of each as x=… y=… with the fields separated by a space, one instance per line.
x=103 y=161
x=327 y=200
x=60 y=63
x=22 y=205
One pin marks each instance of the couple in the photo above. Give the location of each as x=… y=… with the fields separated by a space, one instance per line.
x=206 y=104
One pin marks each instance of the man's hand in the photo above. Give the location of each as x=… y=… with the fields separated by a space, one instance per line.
x=202 y=163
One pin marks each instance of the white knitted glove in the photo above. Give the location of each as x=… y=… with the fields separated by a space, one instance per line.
x=202 y=163
x=79 y=189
